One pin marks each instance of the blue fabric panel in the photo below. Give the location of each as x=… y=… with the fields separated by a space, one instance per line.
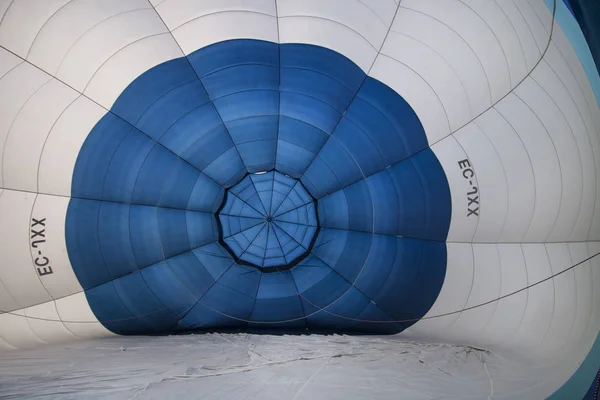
x=216 y=141
x=81 y=235
x=169 y=289
x=227 y=169
x=201 y=228
x=206 y=195
x=368 y=321
x=324 y=292
x=153 y=175
x=360 y=146
x=95 y=155
x=125 y=165
x=192 y=127
x=143 y=304
x=115 y=239
x=341 y=163
x=173 y=231
x=291 y=159
x=385 y=203
x=360 y=207
x=339 y=315
x=229 y=302
x=240 y=78
x=242 y=279
x=389 y=118
x=248 y=104
x=277 y=298
x=333 y=211
x=202 y=317
x=329 y=245
x=380 y=262
x=191 y=272
x=111 y=312
x=309 y=272
x=215 y=259
x=358 y=246
x=146 y=89
x=233 y=52
x=173 y=107
x=309 y=110
x=322 y=60
x=318 y=178
x=317 y=85
x=179 y=185
x=145 y=235
x=302 y=134
x=255 y=139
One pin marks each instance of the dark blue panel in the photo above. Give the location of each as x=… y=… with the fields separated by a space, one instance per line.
x=192 y=273
x=360 y=207
x=333 y=211
x=206 y=195
x=202 y=228
x=234 y=52
x=210 y=147
x=323 y=293
x=240 y=78
x=323 y=60
x=385 y=203
x=81 y=232
x=341 y=164
x=380 y=262
x=173 y=231
x=173 y=107
x=190 y=128
x=115 y=239
x=360 y=146
x=145 y=235
x=248 y=104
x=169 y=290
x=125 y=165
x=95 y=156
x=340 y=315
x=112 y=313
x=309 y=110
x=153 y=175
x=143 y=304
x=149 y=87
x=277 y=299
x=179 y=185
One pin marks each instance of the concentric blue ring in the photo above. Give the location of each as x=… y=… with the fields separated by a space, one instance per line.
x=142 y=232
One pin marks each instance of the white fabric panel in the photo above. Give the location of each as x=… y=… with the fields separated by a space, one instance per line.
x=17 y=86
x=15 y=330
x=565 y=296
x=542 y=155
x=23 y=20
x=540 y=303
x=531 y=50
x=490 y=181
x=476 y=35
x=563 y=46
x=450 y=153
x=353 y=30
x=196 y=24
x=486 y=286
x=435 y=71
x=72 y=23
x=114 y=52
x=61 y=281
x=8 y=61
x=78 y=318
x=540 y=33
x=27 y=136
x=18 y=272
x=58 y=158
x=509 y=311
x=451 y=47
x=587 y=144
x=570 y=179
x=5 y=346
x=492 y=14
x=560 y=67
x=519 y=175
x=417 y=92
x=46 y=325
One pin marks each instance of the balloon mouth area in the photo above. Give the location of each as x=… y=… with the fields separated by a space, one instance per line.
x=268 y=221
